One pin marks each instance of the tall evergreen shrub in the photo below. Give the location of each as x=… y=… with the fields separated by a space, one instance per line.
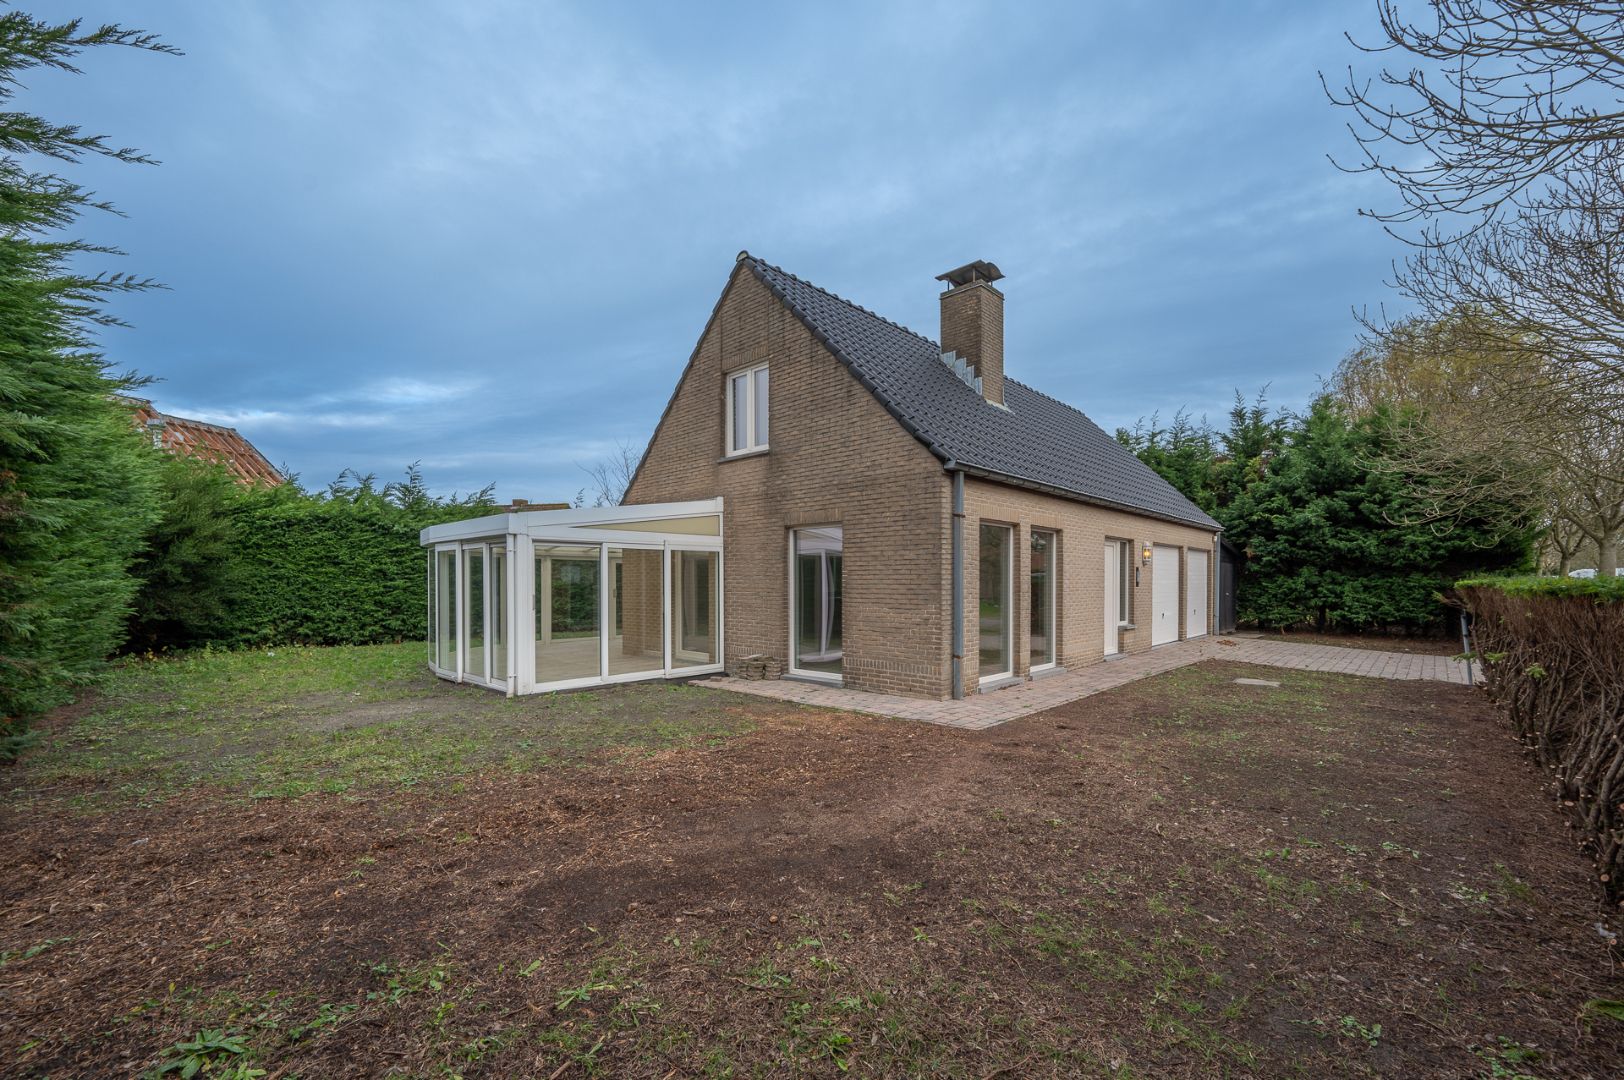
x=1324 y=541
x=76 y=487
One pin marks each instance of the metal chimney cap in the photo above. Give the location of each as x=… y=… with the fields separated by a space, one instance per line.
x=980 y=270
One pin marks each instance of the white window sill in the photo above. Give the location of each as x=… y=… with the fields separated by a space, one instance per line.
x=742 y=454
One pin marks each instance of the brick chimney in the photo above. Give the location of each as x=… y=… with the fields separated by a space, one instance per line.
x=973 y=324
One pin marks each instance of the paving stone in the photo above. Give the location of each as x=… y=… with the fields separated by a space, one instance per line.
x=980 y=711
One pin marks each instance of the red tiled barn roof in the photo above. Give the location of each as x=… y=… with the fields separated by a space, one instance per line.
x=179 y=435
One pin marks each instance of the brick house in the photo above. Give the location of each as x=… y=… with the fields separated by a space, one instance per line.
x=900 y=515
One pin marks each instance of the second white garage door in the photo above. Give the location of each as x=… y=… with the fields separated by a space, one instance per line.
x=1164 y=595
x=1195 y=595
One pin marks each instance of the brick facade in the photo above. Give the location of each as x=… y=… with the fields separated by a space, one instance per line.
x=1080 y=609
x=836 y=457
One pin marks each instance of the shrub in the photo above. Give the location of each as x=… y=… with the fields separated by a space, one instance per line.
x=1553 y=652
x=1326 y=539
x=191 y=571
x=75 y=488
x=343 y=568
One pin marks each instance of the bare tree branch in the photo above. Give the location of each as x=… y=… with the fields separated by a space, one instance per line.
x=613 y=475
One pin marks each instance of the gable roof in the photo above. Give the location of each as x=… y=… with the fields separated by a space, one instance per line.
x=1034 y=441
x=211 y=442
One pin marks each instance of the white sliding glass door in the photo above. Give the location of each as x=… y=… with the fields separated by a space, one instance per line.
x=636 y=643
x=816 y=634
x=996 y=616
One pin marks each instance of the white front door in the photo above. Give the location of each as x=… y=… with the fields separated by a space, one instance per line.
x=1113 y=597
x=1195 y=595
x=1164 y=595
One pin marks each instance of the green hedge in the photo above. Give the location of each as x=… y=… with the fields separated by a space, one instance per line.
x=326 y=572
x=1601 y=588
x=1551 y=655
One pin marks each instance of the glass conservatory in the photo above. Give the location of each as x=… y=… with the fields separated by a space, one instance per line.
x=557 y=599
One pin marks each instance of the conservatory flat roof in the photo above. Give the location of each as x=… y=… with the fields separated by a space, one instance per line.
x=598 y=523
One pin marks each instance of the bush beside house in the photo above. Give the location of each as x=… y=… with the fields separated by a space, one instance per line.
x=331 y=571
x=1329 y=542
x=260 y=566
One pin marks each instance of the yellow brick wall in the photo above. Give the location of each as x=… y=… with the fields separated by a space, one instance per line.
x=836 y=457
x=1080 y=611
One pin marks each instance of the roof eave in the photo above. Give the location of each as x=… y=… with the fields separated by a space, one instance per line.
x=1077 y=496
x=939 y=452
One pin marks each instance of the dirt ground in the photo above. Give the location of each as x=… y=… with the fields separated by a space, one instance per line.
x=1184 y=877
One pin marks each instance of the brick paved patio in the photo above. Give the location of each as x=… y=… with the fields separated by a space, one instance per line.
x=999 y=706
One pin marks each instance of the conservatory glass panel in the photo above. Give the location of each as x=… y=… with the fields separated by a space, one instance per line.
x=473 y=559
x=637 y=588
x=704 y=525
x=567 y=604
x=498 y=612
x=694 y=608
x=445 y=610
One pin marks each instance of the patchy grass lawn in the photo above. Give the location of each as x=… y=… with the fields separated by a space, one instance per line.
x=288 y=721
x=1183 y=877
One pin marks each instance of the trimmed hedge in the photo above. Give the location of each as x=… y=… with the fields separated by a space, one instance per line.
x=1553 y=653
x=1528 y=585
x=330 y=572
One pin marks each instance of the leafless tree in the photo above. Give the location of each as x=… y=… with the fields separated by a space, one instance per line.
x=1550 y=279
x=613 y=475
x=1501 y=126
x=1490 y=102
x=1558 y=544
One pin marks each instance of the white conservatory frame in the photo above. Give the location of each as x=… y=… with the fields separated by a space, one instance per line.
x=517 y=535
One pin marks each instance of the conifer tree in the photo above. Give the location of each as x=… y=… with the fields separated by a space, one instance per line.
x=76 y=483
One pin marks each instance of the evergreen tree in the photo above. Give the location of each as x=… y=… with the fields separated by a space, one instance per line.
x=1323 y=543
x=1183 y=454
x=76 y=481
x=191 y=571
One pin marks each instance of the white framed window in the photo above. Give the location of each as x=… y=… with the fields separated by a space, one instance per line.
x=747 y=410
x=996 y=615
x=1042 y=569
x=1125 y=582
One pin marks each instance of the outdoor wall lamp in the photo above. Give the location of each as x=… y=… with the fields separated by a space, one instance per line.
x=1145 y=555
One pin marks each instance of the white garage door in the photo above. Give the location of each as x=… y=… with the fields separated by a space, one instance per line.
x=1195 y=595
x=1164 y=595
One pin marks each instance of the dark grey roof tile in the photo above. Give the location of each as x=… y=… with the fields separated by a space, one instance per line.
x=1035 y=439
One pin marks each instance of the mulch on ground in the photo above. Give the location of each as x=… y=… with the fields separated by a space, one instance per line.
x=1184 y=877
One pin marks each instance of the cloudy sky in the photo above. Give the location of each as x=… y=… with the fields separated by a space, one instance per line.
x=487 y=235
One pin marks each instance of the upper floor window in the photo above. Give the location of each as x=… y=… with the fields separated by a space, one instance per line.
x=747 y=410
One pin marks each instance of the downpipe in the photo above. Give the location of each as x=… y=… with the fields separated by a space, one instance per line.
x=957 y=607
